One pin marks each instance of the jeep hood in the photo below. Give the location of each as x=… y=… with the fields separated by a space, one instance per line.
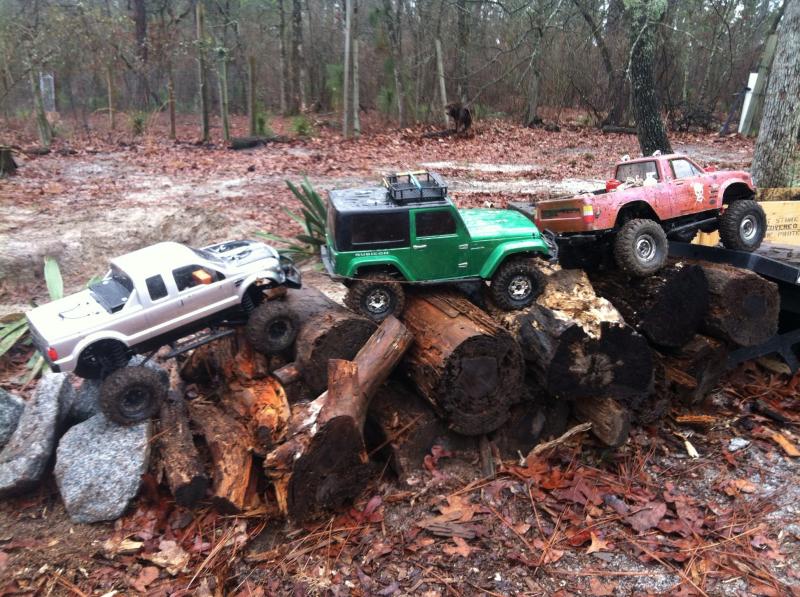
x=68 y=316
x=497 y=224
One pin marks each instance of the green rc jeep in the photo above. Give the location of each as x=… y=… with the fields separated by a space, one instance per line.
x=409 y=231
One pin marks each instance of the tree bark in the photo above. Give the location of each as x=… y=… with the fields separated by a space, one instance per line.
x=611 y=422
x=284 y=62
x=228 y=444
x=348 y=19
x=462 y=64
x=466 y=365
x=577 y=344
x=324 y=464
x=42 y=124
x=392 y=17
x=667 y=308
x=743 y=306
x=185 y=474
x=298 y=60
x=202 y=74
x=356 y=78
x=644 y=15
x=686 y=376
x=173 y=134
x=403 y=428
x=252 y=109
x=222 y=78
x=776 y=161
x=440 y=76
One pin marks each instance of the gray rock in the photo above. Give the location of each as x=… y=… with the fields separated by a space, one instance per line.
x=738 y=443
x=24 y=458
x=10 y=411
x=87 y=401
x=99 y=467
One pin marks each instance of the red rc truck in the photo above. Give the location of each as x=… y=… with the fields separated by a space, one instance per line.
x=652 y=198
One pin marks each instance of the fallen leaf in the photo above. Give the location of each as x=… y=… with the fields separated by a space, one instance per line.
x=113 y=547
x=648 y=516
x=378 y=549
x=146 y=576
x=597 y=544
x=462 y=548
x=600 y=588
x=783 y=442
x=736 y=486
x=171 y=557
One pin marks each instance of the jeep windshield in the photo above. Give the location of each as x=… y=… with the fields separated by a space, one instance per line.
x=113 y=291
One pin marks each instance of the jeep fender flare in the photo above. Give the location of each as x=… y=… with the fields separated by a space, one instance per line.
x=388 y=261
x=511 y=249
x=98 y=337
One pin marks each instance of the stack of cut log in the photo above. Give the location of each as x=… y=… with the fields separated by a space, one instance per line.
x=304 y=428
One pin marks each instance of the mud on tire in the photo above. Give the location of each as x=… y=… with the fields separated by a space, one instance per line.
x=376 y=297
x=640 y=248
x=516 y=284
x=131 y=395
x=272 y=327
x=742 y=225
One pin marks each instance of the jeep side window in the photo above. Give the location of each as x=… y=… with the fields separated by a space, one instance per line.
x=435 y=223
x=683 y=169
x=156 y=287
x=637 y=170
x=190 y=276
x=379 y=230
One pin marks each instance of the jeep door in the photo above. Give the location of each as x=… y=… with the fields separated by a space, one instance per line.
x=689 y=189
x=439 y=246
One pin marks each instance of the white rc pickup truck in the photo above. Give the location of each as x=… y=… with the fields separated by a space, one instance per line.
x=156 y=296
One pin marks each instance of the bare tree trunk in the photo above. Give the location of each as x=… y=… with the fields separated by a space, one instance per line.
x=440 y=76
x=647 y=110
x=284 y=62
x=298 y=60
x=140 y=25
x=462 y=72
x=112 y=116
x=776 y=162
x=392 y=18
x=222 y=78
x=348 y=23
x=42 y=124
x=171 y=100
x=356 y=99
x=203 y=81
x=251 y=95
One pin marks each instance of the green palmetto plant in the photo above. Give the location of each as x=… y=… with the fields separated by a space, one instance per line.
x=14 y=327
x=311 y=218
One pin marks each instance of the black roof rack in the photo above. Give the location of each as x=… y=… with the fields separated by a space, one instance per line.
x=415 y=187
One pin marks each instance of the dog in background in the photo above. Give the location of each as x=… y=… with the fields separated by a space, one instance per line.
x=462 y=117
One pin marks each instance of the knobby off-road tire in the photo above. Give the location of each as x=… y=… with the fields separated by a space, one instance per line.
x=640 y=248
x=376 y=297
x=516 y=284
x=272 y=327
x=742 y=225
x=131 y=395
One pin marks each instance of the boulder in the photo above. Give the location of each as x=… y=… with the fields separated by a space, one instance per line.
x=99 y=467
x=86 y=403
x=10 y=411
x=24 y=458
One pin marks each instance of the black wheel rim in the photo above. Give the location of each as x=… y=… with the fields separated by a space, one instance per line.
x=378 y=301
x=279 y=331
x=134 y=404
